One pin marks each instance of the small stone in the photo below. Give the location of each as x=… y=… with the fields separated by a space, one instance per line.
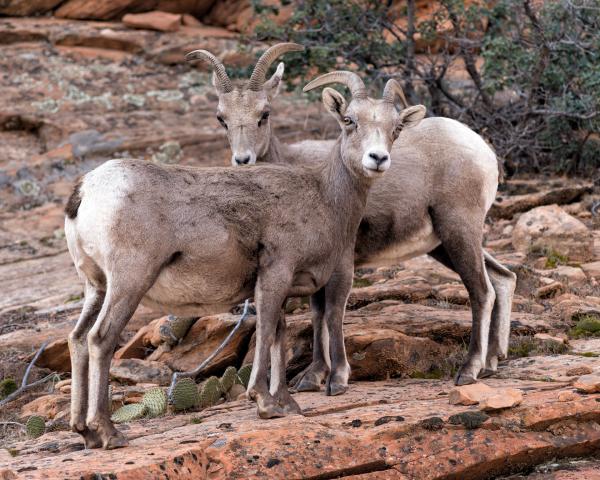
x=432 y=423
x=469 y=394
x=133 y=370
x=470 y=420
x=356 y=423
x=588 y=383
x=388 y=419
x=567 y=396
x=578 y=371
x=506 y=398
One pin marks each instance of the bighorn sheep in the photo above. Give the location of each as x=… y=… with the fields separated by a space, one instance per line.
x=433 y=200
x=191 y=241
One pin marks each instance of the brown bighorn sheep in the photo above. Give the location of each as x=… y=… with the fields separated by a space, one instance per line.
x=434 y=200
x=191 y=241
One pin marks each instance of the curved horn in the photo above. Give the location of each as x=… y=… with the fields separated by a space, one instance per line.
x=392 y=92
x=350 y=79
x=264 y=62
x=218 y=67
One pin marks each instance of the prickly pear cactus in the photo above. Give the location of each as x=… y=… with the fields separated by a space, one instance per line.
x=244 y=374
x=184 y=394
x=211 y=392
x=228 y=379
x=7 y=386
x=35 y=426
x=175 y=328
x=155 y=401
x=130 y=412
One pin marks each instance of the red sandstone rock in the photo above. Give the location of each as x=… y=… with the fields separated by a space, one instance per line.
x=588 y=383
x=470 y=394
x=503 y=398
x=161 y=21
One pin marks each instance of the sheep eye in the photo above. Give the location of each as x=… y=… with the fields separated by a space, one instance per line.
x=348 y=121
x=221 y=121
x=263 y=118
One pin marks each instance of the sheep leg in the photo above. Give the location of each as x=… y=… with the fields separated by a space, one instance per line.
x=463 y=249
x=279 y=388
x=336 y=296
x=311 y=378
x=119 y=305
x=80 y=362
x=269 y=295
x=504 y=282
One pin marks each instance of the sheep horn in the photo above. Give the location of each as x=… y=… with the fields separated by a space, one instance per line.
x=218 y=68
x=259 y=74
x=392 y=92
x=350 y=79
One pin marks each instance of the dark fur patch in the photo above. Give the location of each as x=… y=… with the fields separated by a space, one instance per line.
x=74 y=201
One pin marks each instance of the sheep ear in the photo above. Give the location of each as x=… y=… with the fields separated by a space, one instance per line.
x=334 y=102
x=411 y=116
x=271 y=86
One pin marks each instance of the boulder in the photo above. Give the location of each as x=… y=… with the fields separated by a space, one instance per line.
x=137 y=346
x=381 y=353
x=567 y=396
x=202 y=340
x=504 y=398
x=588 y=383
x=196 y=8
x=506 y=207
x=48 y=406
x=550 y=228
x=102 y=9
x=134 y=370
x=469 y=394
x=56 y=356
x=592 y=269
x=155 y=20
x=26 y=8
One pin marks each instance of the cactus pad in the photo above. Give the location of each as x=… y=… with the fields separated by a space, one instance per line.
x=7 y=386
x=175 y=328
x=228 y=379
x=35 y=426
x=155 y=401
x=244 y=374
x=184 y=394
x=130 y=412
x=211 y=392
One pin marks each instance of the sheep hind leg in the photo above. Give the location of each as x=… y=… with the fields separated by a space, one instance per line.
x=279 y=388
x=504 y=282
x=464 y=250
x=311 y=378
x=78 y=348
x=119 y=305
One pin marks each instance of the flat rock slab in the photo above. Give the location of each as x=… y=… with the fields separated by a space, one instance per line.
x=384 y=429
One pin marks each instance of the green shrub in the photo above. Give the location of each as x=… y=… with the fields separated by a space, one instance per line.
x=536 y=97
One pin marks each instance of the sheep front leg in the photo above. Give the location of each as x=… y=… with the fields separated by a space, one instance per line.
x=279 y=387
x=270 y=293
x=336 y=295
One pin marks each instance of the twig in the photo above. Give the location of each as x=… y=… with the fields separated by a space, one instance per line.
x=24 y=385
x=32 y=363
x=219 y=349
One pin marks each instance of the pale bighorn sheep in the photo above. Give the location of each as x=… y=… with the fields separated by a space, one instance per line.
x=191 y=241
x=434 y=200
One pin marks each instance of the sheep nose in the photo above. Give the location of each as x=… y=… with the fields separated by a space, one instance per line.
x=379 y=157
x=242 y=160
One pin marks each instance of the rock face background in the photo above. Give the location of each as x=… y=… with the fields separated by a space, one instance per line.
x=76 y=93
